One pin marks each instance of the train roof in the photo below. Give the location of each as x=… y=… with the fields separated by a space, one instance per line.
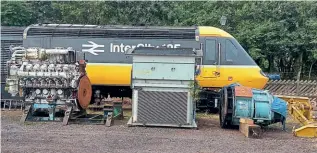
x=86 y=26
x=121 y=31
x=12 y=30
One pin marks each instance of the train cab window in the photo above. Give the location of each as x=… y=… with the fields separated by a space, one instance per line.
x=231 y=52
x=235 y=54
x=210 y=51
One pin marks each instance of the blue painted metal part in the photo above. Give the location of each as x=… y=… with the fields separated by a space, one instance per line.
x=51 y=108
x=243 y=107
x=262 y=105
x=263 y=108
x=279 y=106
x=105 y=113
x=274 y=76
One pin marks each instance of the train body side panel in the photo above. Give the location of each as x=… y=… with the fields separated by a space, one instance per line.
x=100 y=50
x=120 y=75
x=108 y=66
x=109 y=74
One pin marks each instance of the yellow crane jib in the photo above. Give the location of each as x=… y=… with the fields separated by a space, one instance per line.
x=300 y=109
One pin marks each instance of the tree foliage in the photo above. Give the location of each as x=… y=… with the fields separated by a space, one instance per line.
x=280 y=36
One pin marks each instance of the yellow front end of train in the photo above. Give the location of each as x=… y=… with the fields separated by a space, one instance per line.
x=250 y=76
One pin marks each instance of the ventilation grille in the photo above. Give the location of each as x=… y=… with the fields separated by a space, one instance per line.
x=131 y=33
x=6 y=55
x=12 y=31
x=162 y=107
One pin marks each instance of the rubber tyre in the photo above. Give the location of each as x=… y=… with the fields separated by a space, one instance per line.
x=222 y=117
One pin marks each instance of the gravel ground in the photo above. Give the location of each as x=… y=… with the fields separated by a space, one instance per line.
x=53 y=137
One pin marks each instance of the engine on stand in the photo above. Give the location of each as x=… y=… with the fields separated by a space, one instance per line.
x=53 y=83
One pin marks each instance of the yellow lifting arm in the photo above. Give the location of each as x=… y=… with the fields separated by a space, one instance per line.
x=300 y=109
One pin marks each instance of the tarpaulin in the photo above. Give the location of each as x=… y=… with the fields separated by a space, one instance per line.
x=279 y=106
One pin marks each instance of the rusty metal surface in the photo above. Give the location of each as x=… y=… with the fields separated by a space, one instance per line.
x=82 y=66
x=84 y=92
x=243 y=91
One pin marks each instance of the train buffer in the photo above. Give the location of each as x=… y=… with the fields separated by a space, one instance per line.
x=300 y=109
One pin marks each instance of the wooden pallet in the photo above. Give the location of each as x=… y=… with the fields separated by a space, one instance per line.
x=249 y=129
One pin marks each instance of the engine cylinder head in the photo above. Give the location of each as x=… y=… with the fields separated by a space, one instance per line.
x=29 y=67
x=59 y=67
x=65 y=68
x=51 y=67
x=44 y=67
x=36 y=67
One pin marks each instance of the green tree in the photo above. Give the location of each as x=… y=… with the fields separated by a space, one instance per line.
x=15 y=13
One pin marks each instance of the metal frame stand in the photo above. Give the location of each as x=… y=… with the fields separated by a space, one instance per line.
x=102 y=114
x=31 y=113
x=11 y=104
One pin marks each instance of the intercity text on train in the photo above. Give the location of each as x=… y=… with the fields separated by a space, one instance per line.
x=121 y=48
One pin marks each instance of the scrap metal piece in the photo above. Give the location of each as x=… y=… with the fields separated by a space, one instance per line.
x=109 y=119
x=309 y=131
x=25 y=113
x=301 y=110
x=68 y=112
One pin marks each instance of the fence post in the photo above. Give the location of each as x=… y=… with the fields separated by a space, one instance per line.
x=297 y=88
x=10 y=102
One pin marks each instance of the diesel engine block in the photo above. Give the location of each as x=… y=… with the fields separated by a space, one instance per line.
x=48 y=76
